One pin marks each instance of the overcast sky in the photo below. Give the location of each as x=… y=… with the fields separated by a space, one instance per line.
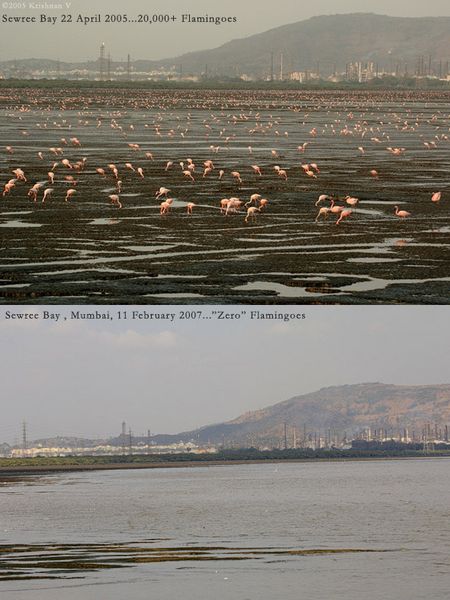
x=84 y=378
x=73 y=42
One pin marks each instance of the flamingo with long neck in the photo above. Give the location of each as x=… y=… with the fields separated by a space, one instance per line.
x=403 y=214
x=344 y=215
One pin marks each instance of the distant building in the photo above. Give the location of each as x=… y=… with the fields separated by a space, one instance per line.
x=360 y=72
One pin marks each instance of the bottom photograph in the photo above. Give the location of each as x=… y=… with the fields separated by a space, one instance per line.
x=232 y=453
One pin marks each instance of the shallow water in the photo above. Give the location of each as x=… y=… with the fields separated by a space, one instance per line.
x=341 y=530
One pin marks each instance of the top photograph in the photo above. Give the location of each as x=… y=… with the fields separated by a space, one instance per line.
x=210 y=153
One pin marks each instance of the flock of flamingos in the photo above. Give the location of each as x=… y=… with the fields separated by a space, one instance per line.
x=61 y=172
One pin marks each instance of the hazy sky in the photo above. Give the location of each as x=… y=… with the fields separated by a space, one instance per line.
x=74 y=42
x=84 y=378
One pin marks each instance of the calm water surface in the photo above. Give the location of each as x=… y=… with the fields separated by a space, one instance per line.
x=228 y=532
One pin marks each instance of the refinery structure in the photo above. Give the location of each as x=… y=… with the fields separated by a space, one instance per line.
x=286 y=437
x=278 y=69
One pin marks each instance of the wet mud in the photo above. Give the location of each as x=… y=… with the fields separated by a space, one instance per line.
x=89 y=251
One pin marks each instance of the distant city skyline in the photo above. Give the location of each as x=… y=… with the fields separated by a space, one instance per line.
x=61 y=41
x=84 y=378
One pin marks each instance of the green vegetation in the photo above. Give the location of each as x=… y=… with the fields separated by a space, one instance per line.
x=229 y=456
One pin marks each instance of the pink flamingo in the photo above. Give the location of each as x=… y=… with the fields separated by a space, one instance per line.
x=8 y=187
x=115 y=200
x=188 y=175
x=335 y=209
x=436 y=197
x=19 y=174
x=323 y=212
x=71 y=192
x=344 y=215
x=33 y=192
x=233 y=205
x=253 y=198
x=189 y=207
x=163 y=191
x=403 y=214
x=280 y=172
x=47 y=193
x=164 y=207
x=251 y=213
x=322 y=198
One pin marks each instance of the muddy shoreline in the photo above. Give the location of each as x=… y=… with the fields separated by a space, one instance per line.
x=6 y=472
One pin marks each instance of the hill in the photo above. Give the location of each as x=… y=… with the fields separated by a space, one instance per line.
x=347 y=408
x=325 y=44
x=332 y=41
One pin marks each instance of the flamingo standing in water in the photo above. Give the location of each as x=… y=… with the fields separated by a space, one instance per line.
x=8 y=187
x=188 y=175
x=280 y=172
x=251 y=213
x=253 y=198
x=323 y=212
x=403 y=214
x=436 y=197
x=115 y=200
x=70 y=193
x=20 y=174
x=344 y=215
x=163 y=191
x=323 y=197
x=47 y=193
x=334 y=209
x=236 y=175
x=33 y=192
x=233 y=205
x=165 y=206
x=224 y=205
x=351 y=201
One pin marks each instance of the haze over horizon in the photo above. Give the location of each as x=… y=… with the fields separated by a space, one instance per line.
x=156 y=42
x=83 y=378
